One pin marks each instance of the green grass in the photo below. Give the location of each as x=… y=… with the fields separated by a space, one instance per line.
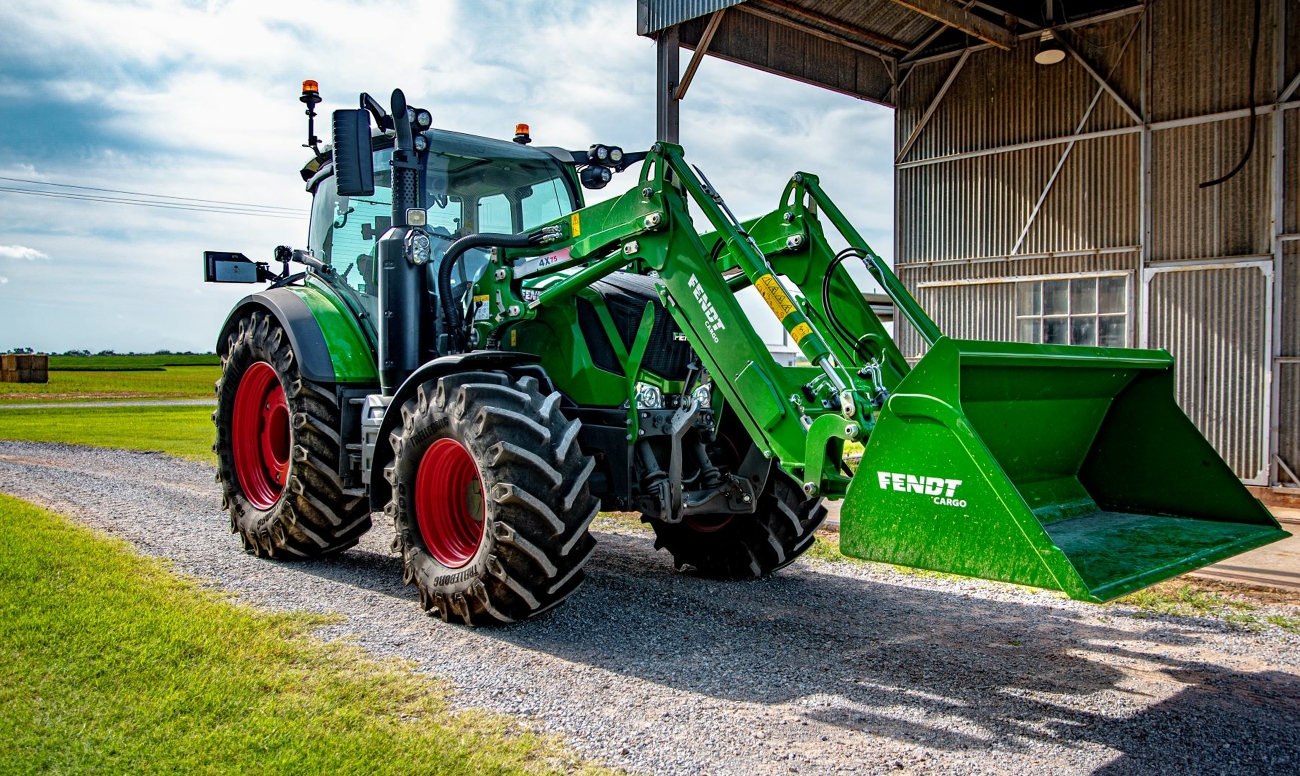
x=1181 y=599
x=119 y=363
x=178 y=382
x=186 y=432
x=111 y=664
x=826 y=547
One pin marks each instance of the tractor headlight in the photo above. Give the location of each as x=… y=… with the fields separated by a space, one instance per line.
x=616 y=154
x=421 y=143
x=704 y=396
x=649 y=397
x=595 y=176
x=418 y=247
x=423 y=119
x=598 y=153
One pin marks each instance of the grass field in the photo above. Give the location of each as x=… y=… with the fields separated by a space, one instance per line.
x=176 y=382
x=186 y=432
x=120 y=363
x=111 y=664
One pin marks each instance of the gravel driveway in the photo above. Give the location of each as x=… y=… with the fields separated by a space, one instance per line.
x=824 y=668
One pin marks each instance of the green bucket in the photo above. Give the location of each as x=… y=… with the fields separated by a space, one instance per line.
x=1067 y=468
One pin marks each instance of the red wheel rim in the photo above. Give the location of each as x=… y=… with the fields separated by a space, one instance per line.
x=260 y=435
x=449 y=503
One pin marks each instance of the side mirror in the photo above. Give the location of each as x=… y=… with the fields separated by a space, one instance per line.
x=223 y=267
x=354 y=164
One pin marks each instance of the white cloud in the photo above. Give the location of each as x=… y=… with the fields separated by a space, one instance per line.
x=21 y=252
x=3 y=281
x=199 y=98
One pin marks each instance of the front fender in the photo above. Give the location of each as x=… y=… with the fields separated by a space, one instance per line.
x=516 y=363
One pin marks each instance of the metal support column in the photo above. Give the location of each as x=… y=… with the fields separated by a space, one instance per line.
x=1277 y=226
x=1144 y=183
x=667 y=106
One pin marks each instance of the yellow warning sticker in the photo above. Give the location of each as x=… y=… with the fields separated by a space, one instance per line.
x=775 y=296
x=514 y=337
x=576 y=224
x=800 y=331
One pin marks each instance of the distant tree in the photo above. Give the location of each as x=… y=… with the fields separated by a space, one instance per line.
x=106 y=353
x=162 y=352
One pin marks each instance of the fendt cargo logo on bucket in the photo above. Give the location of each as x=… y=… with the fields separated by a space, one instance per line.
x=940 y=489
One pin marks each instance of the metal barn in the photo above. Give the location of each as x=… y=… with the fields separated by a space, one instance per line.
x=1049 y=158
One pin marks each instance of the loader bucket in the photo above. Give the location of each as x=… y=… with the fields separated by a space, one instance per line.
x=1066 y=468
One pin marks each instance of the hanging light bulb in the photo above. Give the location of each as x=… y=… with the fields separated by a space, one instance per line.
x=1050 y=50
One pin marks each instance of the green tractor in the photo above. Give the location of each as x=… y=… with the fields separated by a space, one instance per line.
x=475 y=354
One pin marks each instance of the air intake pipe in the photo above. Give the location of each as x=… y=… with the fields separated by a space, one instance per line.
x=453 y=317
x=400 y=284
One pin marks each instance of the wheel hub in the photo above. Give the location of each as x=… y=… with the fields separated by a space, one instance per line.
x=449 y=505
x=260 y=435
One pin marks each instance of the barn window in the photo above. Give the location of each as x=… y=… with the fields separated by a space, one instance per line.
x=1073 y=311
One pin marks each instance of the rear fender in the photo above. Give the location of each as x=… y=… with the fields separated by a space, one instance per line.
x=328 y=345
x=516 y=363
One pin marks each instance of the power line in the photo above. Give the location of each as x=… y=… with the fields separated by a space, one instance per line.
x=246 y=205
x=140 y=203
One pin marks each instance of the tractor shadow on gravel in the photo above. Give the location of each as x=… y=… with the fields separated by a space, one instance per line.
x=928 y=667
x=924 y=666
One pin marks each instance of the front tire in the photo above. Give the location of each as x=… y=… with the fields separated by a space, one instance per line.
x=746 y=546
x=278 y=447
x=491 y=506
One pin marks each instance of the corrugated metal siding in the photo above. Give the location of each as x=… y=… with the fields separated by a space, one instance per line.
x=1213 y=322
x=792 y=53
x=1290 y=312
x=986 y=311
x=1291 y=168
x=655 y=15
x=883 y=17
x=977 y=207
x=1230 y=219
x=1001 y=98
x=1288 y=447
x=1200 y=57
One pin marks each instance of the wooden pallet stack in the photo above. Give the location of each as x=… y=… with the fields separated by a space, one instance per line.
x=24 y=368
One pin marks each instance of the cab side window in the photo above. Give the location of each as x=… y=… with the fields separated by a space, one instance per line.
x=345 y=231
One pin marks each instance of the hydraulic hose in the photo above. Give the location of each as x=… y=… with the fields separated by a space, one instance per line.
x=452 y=315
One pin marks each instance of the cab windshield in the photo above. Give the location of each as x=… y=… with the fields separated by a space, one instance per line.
x=474 y=185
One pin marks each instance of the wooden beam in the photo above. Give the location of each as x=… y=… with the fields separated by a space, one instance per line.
x=786 y=21
x=700 y=49
x=928 y=39
x=967 y=22
x=804 y=15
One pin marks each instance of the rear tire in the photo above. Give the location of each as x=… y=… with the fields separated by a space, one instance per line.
x=278 y=448
x=490 y=505
x=746 y=546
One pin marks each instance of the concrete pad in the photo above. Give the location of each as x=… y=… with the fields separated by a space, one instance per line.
x=1275 y=565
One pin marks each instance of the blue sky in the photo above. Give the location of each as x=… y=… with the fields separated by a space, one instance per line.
x=199 y=99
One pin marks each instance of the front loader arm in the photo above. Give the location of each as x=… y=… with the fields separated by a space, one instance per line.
x=798 y=415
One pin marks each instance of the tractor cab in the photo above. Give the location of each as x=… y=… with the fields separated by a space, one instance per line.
x=469 y=185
